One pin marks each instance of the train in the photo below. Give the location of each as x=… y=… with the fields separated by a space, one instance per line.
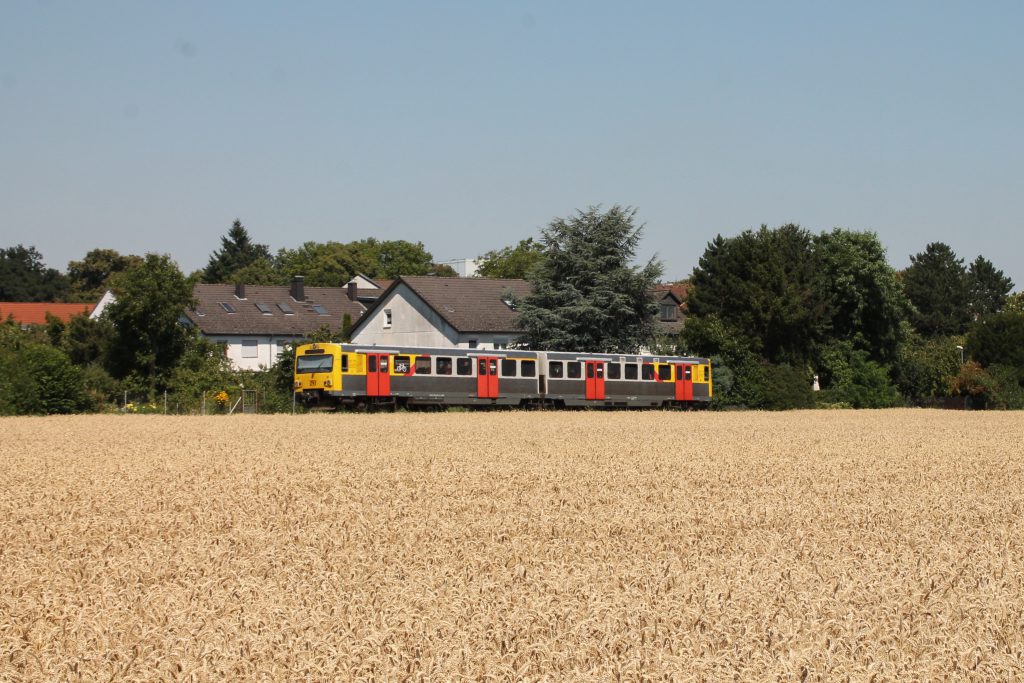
x=332 y=376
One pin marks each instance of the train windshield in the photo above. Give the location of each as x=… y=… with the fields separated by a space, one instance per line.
x=314 y=363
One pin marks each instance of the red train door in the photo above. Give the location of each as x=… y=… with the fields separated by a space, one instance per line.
x=487 y=377
x=684 y=382
x=378 y=376
x=595 y=380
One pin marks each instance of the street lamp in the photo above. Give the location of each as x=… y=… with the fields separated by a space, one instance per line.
x=961 y=350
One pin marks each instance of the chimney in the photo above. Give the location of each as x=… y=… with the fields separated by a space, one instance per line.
x=298 y=290
x=240 y=290
x=353 y=291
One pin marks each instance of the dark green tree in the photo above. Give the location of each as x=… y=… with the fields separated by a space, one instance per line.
x=867 y=305
x=987 y=288
x=35 y=377
x=89 y=278
x=148 y=335
x=936 y=284
x=236 y=252
x=24 y=277
x=997 y=340
x=768 y=287
x=587 y=294
x=511 y=262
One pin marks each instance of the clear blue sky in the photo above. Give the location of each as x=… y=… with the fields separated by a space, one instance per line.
x=145 y=126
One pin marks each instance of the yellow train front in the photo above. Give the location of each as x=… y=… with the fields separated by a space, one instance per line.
x=331 y=375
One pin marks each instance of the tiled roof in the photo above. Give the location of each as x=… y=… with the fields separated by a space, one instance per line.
x=211 y=317
x=35 y=313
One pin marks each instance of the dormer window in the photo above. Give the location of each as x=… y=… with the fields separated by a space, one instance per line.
x=669 y=312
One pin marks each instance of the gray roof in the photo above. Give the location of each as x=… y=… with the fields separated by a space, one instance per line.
x=212 y=318
x=468 y=304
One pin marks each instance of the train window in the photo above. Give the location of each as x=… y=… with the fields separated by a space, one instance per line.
x=423 y=365
x=371 y=363
x=402 y=365
x=647 y=371
x=314 y=363
x=614 y=371
x=573 y=370
x=528 y=368
x=630 y=370
x=344 y=362
x=464 y=366
x=555 y=368
x=689 y=372
x=665 y=373
x=590 y=371
x=444 y=366
x=508 y=367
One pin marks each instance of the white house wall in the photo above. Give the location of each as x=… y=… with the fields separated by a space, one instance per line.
x=267 y=349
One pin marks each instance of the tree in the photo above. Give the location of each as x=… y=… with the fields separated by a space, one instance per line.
x=987 y=288
x=332 y=264
x=936 y=284
x=90 y=278
x=35 y=377
x=925 y=367
x=997 y=340
x=866 y=301
x=511 y=262
x=149 y=337
x=24 y=276
x=768 y=287
x=237 y=251
x=587 y=295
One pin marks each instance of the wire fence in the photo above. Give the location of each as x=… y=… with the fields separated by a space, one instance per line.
x=222 y=402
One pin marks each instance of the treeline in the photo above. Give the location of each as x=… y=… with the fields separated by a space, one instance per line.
x=778 y=308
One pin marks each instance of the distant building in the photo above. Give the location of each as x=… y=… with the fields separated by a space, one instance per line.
x=466 y=267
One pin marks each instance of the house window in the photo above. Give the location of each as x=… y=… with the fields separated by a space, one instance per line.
x=387 y=317
x=250 y=348
x=227 y=307
x=500 y=343
x=472 y=343
x=668 y=312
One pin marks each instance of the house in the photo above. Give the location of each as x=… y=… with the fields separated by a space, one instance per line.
x=254 y=322
x=472 y=313
x=443 y=312
x=27 y=314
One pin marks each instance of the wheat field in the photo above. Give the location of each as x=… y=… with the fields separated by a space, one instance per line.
x=821 y=546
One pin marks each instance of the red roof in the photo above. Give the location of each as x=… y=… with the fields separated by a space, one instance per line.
x=35 y=314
